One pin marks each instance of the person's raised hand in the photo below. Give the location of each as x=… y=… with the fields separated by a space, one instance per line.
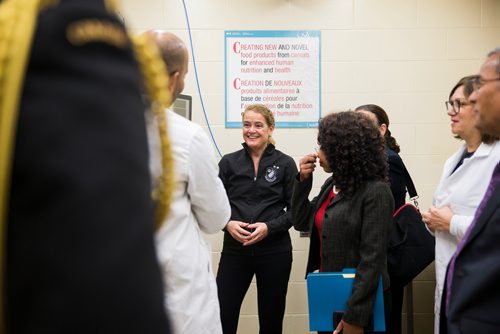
x=307 y=165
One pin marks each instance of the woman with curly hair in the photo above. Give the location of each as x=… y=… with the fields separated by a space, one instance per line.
x=350 y=219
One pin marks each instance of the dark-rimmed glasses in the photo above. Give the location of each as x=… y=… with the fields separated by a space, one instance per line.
x=478 y=82
x=455 y=105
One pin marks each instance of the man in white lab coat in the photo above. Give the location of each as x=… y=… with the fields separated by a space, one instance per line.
x=199 y=204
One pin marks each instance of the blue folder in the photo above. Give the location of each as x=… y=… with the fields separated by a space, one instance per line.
x=328 y=292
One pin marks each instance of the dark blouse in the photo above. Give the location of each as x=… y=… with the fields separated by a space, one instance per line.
x=464 y=156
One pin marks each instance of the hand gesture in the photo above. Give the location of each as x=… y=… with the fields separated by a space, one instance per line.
x=237 y=230
x=307 y=165
x=438 y=219
x=260 y=231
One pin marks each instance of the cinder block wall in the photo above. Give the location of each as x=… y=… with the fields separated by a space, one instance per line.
x=402 y=55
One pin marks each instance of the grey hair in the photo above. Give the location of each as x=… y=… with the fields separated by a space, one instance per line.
x=493 y=53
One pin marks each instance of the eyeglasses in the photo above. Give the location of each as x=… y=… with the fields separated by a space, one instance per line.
x=455 y=105
x=478 y=82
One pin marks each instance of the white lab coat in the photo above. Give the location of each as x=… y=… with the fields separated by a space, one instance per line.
x=462 y=191
x=199 y=203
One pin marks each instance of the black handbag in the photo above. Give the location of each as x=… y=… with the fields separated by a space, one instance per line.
x=411 y=247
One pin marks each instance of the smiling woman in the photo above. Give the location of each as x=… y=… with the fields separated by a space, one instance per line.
x=258 y=126
x=462 y=115
x=463 y=182
x=258 y=181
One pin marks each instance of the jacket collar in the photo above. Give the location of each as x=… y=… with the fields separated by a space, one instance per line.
x=326 y=191
x=270 y=148
x=485 y=149
x=481 y=152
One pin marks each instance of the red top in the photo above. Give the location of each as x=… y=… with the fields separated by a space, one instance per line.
x=318 y=221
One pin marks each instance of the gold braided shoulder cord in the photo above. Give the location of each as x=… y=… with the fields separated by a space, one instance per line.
x=17 y=26
x=111 y=5
x=154 y=72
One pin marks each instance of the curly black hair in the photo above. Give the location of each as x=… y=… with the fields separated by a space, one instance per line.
x=354 y=149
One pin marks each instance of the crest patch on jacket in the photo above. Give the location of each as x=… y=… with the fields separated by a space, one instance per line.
x=271 y=173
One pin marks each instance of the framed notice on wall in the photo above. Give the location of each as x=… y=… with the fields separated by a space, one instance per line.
x=281 y=69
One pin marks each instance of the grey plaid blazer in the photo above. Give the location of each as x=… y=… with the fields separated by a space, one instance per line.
x=355 y=234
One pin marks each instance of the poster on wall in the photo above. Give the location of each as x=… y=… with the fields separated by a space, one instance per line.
x=280 y=69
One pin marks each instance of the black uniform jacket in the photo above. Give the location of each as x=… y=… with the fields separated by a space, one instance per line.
x=259 y=198
x=80 y=248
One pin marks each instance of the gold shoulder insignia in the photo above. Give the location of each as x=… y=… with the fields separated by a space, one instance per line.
x=96 y=31
x=155 y=78
x=111 y=5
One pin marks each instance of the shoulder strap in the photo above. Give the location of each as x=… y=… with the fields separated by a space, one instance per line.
x=412 y=191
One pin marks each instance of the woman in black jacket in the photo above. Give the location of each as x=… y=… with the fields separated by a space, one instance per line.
x=259 y=182
x=350 y=220
x=398 y=189
x=396 y=167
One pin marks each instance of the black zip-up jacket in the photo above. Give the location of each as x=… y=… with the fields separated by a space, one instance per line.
x=259 y=198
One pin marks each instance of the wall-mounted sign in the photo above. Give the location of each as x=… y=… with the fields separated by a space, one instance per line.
x=280 y=69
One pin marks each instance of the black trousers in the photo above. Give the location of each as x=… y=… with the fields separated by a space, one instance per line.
x=394 y=324
x=234 y=276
